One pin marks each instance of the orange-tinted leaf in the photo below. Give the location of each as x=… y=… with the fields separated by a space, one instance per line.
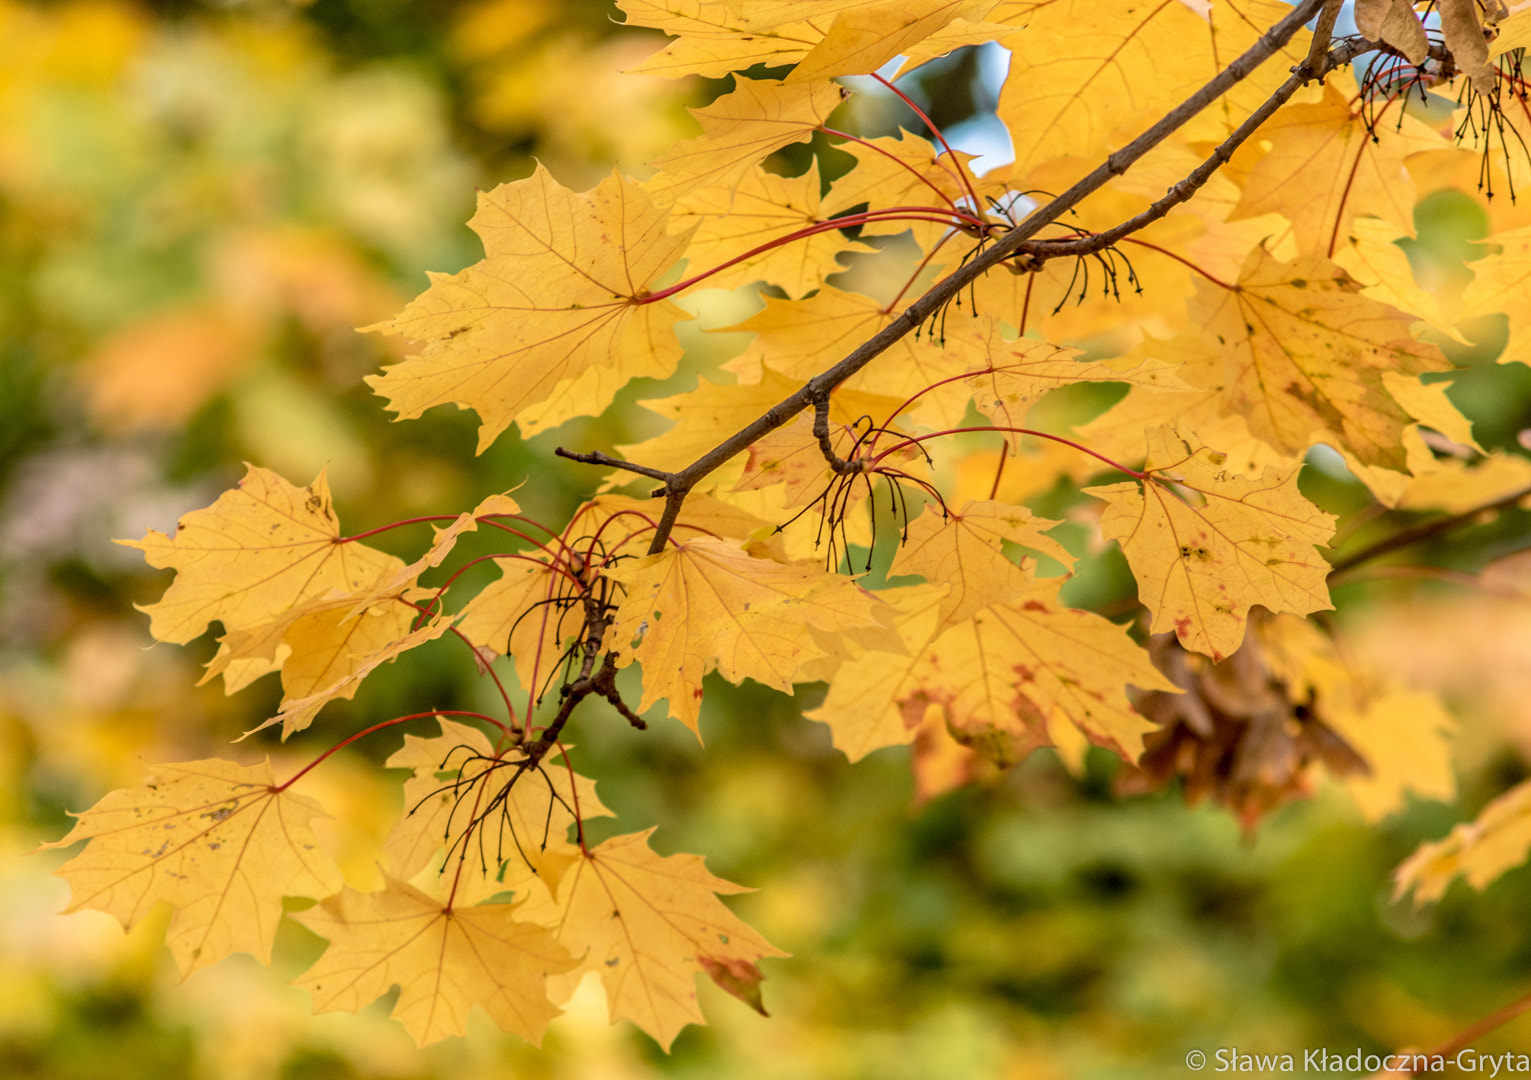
x=1206 y=545
x=553 y=321
x=706 y=603
x=647 y=923
x=444 y=960
x=216 y=840
x=260 y=551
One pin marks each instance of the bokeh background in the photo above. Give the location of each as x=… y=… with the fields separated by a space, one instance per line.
x=199 y=201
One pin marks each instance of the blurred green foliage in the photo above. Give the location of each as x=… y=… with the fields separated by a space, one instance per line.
x=198 y=202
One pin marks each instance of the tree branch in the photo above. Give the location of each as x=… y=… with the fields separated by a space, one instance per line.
x=680 y=484
x=1423 y=531
x=1042 y=250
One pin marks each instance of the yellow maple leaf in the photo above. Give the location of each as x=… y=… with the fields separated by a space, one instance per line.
x=1402 y=735
x=905 y=172
x=649 y=924
x=1011 y=674
x=718 y=37
x=706 y=602
x=259 y=551
x=554 y=320
x=1304 y=357
x=865 y=37
x=216 y=840
x=800 y=338
x=764 y=207
x=329 y=665
x=1214 y=544
x=875 y=698
x=615 y=517
x=1018 y=372
x=444 y=960
x=501 y=826
x=963 y=550
x=1368 y=251
x=824 y=37
x=1480 y=850
x=1499 y=286
x=1090 y=67
x=738 y=130
x=707 y=415
x=517 y=615
x=791 y=456
x=1327 y=166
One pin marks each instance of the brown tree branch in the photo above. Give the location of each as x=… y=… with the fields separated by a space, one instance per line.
x=678 y=485
x=1423 y=531
x=1042 y=250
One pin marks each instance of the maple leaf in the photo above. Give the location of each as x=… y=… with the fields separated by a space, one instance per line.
x=800 y=338
x=864 y=38
x=762 y=208
x=711 y=412
x=1203 y=559
x=259 y=551
x=1009 y=676
x=707 y=602
x=334 y=672
x=1480 y=850
x=791 y=456
x=824 y=37
x=506 y=822
x=738 y=130
x=444 y=960
x=1326 y=166
x=963 y=550
x=649 y=924
x=1003 y=678
x=1304 y=356
x=1091 y=68
x=554 y=320
x=1019 y=372
x=1499 y=285
x=218 y=841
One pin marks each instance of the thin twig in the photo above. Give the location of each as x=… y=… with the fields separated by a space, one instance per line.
x=1423 y=531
